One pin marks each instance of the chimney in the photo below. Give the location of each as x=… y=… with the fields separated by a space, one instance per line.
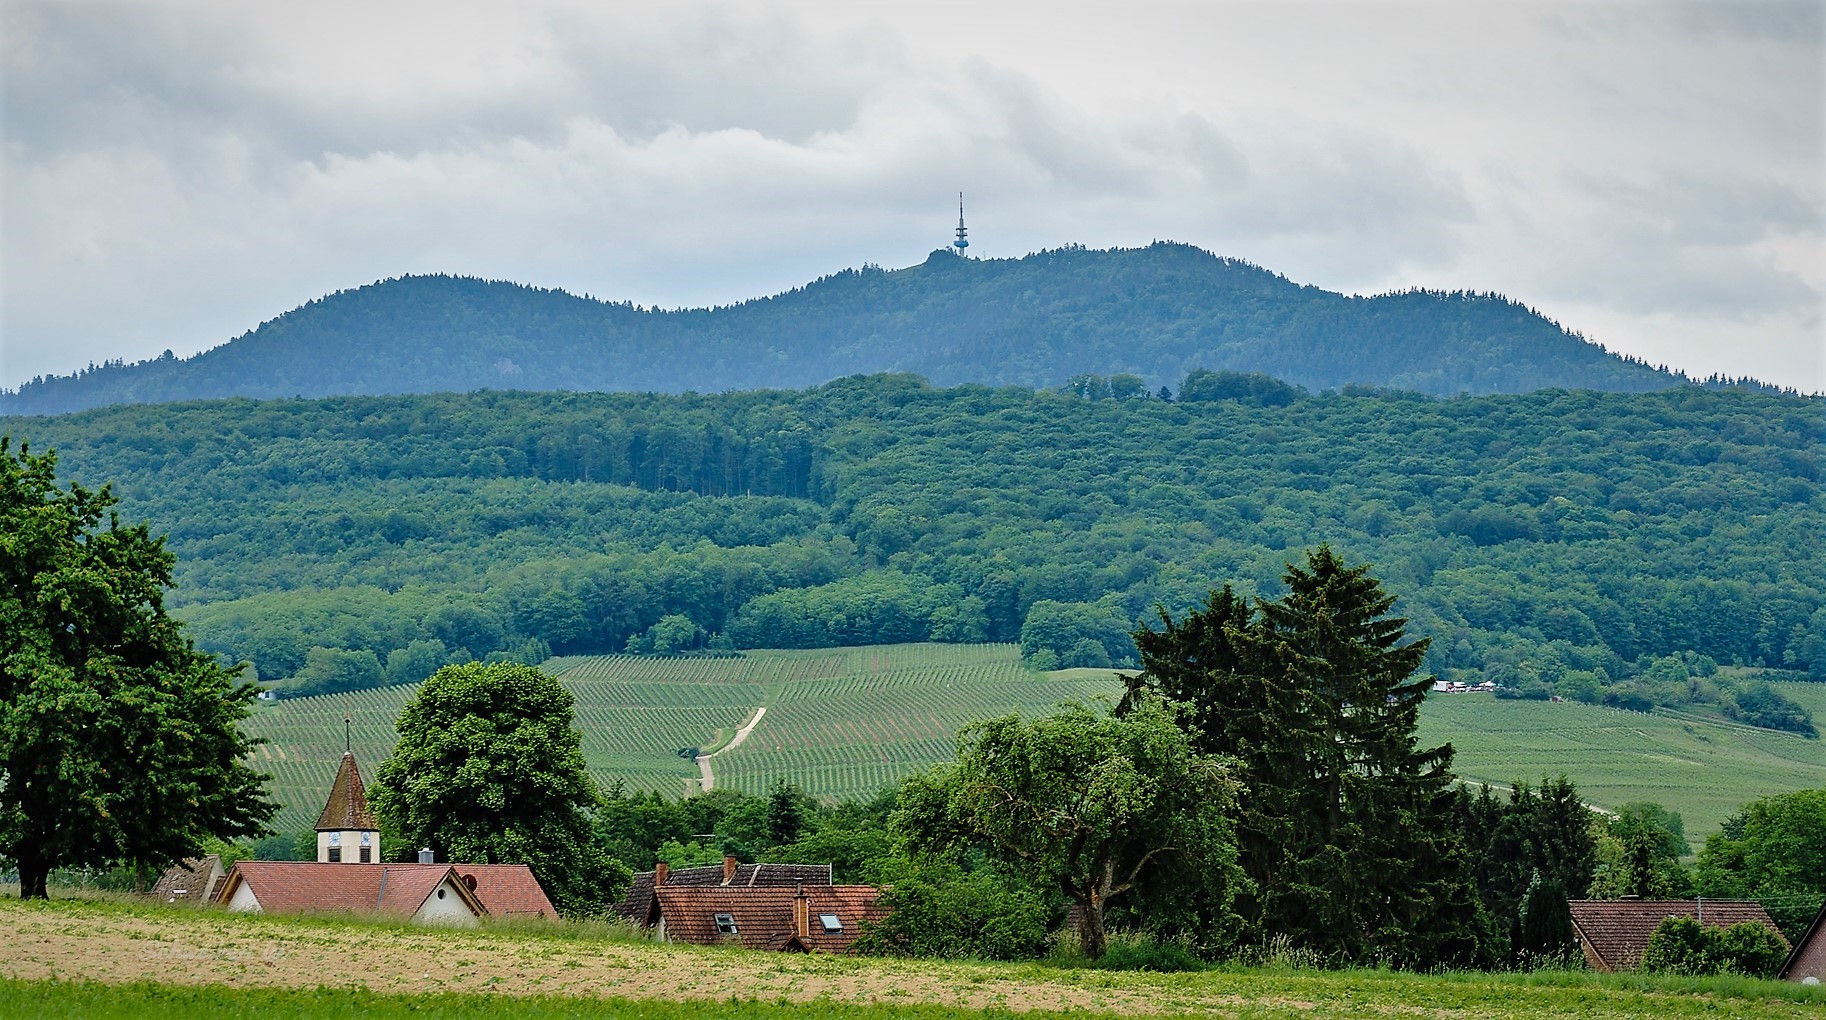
x=729 y=863
x=425 y=856
x=802 y=913
x=659 y=874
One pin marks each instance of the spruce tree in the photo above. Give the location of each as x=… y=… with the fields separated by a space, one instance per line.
x=1347 y=826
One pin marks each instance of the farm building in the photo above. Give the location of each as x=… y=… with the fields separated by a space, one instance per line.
x=638 y=904
x=1614 y=933
x=1807 y=963
x=804 y=919
x=348 y=877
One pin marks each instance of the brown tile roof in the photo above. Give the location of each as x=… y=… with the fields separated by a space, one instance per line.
x=297 y=887
x=347 y=807
x=763 y=915
x=638 y=903
x=1615 y=932
x=195 y=880
x=508 y=890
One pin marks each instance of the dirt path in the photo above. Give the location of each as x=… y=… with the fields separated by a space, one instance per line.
x=706 y=778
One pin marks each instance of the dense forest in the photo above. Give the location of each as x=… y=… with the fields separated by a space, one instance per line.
x=1155 y=313
x=1603 y=546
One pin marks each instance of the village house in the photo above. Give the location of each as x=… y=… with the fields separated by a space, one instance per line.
x=788 y=907
x=638 y=904
x=349 y=877
x=1807 y=962
x=1614 y=933
x=803 y=919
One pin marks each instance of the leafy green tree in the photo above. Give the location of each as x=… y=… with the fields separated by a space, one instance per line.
x=1079 y=802
x=1346 y=826
x=119 y=741
x=416 y=661
x=489 y=769
x=1772 y=849
x=1638 y=854
x=331 y=670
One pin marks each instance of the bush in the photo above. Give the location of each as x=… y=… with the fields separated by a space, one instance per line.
x=1681 y=945
x=938 y=910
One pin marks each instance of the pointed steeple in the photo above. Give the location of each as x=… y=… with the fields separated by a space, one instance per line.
x=347 y=808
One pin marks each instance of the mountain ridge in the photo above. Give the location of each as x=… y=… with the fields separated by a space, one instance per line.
x=1156 y=312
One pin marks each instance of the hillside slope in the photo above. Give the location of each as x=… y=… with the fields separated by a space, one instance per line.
x=1155 y=312
x=1556 y=535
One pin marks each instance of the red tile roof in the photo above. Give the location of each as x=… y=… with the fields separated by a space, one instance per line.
x=1615 y=932
x=763 y=915
x=638 y=903
x=347 y=807
x=296 y=887
x=508 y=890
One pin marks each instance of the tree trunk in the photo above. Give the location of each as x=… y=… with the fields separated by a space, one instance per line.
x=32 y=876
x=1090 y=926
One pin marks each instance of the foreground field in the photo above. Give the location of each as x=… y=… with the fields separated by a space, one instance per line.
x=846 y=722
x=158 y=962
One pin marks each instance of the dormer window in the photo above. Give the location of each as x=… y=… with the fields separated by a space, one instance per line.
x=833 y=925
x=725 y=924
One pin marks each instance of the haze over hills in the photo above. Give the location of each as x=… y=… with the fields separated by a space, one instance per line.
x=1155 y=312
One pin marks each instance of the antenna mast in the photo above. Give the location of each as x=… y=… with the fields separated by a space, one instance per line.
x=963 y=239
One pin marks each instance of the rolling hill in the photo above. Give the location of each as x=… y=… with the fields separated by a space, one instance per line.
x=1155 y=312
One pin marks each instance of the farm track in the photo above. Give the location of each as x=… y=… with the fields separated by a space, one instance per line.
x=707 y=778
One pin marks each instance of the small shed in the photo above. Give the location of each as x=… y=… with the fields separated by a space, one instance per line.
x=195 y=880
x=1614 y=933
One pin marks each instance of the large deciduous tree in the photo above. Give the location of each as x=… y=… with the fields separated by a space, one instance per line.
x=1346 y=825
x=489 y=769
x=1081 y=802
x=119 y=741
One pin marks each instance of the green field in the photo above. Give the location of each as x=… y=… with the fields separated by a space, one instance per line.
x=147 y=961
x=845 y=722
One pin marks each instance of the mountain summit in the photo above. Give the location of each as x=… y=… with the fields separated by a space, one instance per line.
x=1155 y=312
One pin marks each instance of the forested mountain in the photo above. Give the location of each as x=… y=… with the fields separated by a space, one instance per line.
x=1559 y=540
x=1155 y=313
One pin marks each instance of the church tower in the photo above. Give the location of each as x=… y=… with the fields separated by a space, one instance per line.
x=347 y=832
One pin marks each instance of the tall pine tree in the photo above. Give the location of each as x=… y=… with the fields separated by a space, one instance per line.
x=1347 y=825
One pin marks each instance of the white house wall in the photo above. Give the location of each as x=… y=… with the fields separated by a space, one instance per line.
x=445 y=906
x=243 y=901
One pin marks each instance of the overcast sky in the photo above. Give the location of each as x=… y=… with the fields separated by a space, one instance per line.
x=1651 y=174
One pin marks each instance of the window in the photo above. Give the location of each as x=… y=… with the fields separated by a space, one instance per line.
x=833 y=925
x=367 y=854
x=725 y=924
x=335 y=855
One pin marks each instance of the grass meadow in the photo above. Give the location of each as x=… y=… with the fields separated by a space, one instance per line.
x=104 y=959
x=846 y=722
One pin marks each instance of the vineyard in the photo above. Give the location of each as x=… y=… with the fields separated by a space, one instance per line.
x=846 y=722
x=1702 y=770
